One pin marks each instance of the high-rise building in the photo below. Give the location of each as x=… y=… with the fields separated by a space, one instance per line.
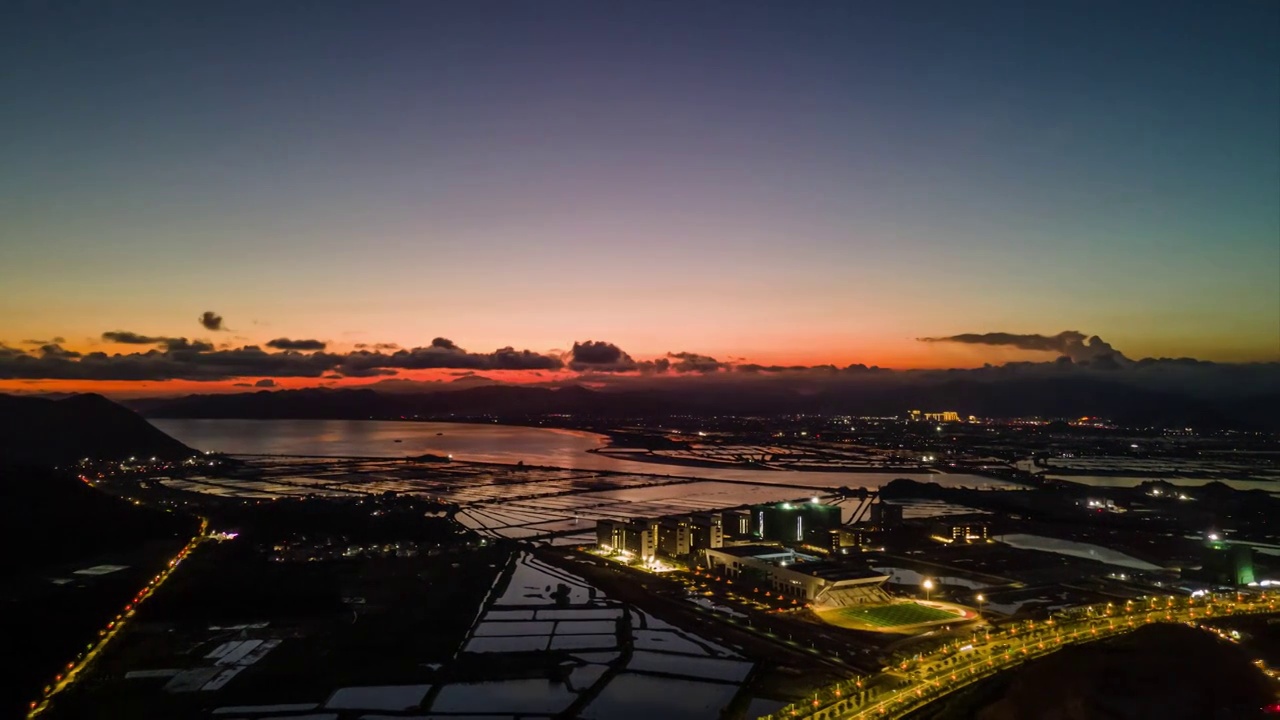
x=737 y=524
x=886 y=515
x=846 y=537
x=806 y=522
x=674 y=537
x=638 y=537
x=1228 y=563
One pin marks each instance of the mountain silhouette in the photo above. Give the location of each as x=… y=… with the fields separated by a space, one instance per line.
x=40 y=431
x=1044 y=397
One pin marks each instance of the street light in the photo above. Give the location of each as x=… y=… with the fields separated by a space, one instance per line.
x=981 y=599
x=927 y=585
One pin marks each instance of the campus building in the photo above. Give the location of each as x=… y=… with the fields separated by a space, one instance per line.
x=638 y=537
x=850 y=537
x=806 y=579
x=948 y=416
x=808 y=523
x=1226 y=563
x=963 y=531
x=673 y=536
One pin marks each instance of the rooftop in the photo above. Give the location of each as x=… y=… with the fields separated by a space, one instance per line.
x=836 y=572
x=755 y=551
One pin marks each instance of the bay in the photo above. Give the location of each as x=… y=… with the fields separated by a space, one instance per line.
x=492 y=443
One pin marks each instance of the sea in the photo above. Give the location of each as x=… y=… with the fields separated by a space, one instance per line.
x=490 y=443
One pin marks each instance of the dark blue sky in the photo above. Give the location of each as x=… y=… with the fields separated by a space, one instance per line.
x=808 y=181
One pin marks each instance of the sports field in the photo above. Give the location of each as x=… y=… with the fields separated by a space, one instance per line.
x=887 y=616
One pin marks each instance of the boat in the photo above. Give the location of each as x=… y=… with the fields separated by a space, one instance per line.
x=399 y=440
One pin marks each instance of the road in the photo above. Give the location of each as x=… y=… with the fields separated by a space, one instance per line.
x=77 y=667
x=896 y=692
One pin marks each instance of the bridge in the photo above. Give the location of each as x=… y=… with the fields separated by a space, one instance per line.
x=896 y=692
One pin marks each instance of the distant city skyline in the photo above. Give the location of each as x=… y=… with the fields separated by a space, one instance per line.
x=758 y=183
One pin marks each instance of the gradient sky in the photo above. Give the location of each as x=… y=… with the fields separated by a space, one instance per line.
x=784 y=182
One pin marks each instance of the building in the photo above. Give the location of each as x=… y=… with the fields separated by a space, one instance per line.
x=886 y=515
x=808 y=522
x=673 y=536
x=706 y=531
x=637 y=537
x=850 y=537
x=1227 y=563
x=961 y=530
x=947 y=416
x=799 y=577
x=737 y=524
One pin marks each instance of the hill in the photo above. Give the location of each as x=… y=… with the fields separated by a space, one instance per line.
x=1158 y=671
x=39 y=431
x=1047 y=397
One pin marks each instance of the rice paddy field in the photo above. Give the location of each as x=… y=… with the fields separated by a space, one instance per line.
x=499 y=501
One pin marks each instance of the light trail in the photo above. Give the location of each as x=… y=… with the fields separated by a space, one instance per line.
x=76 y=668
x=1080 y=625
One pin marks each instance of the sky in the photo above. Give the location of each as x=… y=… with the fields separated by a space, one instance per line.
x=761 y=182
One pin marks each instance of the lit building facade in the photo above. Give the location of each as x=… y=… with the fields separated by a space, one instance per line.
x=809 y=522
x=962 y=531
x=789 y=574
x=638 y=537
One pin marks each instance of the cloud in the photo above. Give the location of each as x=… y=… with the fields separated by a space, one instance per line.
x=55 y=350
x=1070 y=343
x=242 y=384
x=175 y=345
x=125 y=337
x=170 y=344
x=211 y=320
x=600 y=356
x=377 y=346
x=287 y=344
x=157 y=364
x=265 y=383
x=57 y=340
x=444 y=354
x=693 y=362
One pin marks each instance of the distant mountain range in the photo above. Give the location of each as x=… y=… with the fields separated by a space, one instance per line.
x=41 y=431
x=1065 y=397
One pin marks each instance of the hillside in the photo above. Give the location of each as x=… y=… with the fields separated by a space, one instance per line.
x=39 y=431
x=1159 y=671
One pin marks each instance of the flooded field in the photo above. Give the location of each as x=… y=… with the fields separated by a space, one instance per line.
x=1076 y=549
x=495 y=500
x=618 y=662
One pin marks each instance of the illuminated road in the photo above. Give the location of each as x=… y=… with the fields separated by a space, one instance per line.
x=76 y=668
x=914 y=684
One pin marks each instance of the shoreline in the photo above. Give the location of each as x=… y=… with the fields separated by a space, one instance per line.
x=647 y=456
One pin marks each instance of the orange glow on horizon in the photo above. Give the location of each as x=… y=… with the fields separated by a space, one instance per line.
x=444 y=379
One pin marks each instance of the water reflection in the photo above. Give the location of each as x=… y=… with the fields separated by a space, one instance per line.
x=484 y=443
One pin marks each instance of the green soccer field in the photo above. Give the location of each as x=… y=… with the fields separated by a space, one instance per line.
x=895 y=615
